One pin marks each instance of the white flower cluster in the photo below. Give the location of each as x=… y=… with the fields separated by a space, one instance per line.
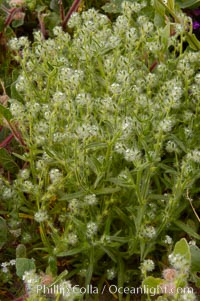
x=41 y=216
x=92 y=228
x=147 y=266
x=5 y=265
x=90 y=200
x=179 y=262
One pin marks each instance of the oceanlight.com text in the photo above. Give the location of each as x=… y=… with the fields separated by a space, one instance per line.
x=112 y=289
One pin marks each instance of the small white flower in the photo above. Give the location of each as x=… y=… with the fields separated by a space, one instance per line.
x=179 y=262
x=111 y=273
x=7 y=193
x=41 y=216
x=12 y=262
x=57 y=30
x=166 y=125
x=194 y=156
x=149 y=232
x=72 y=238
x=74 y=205
x=147 y=265
x=90 y=199
x=55 y=175
x=25 y=173
x=5 y=270
x=132 y=155
x=91 y=229
x=168 y=240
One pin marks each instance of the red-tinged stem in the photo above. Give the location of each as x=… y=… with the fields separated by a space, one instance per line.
x=42 y=26
x=72 y=9
x=153 y=66
x=62 y=13
x=11 y=15
x=17 y=134
x=7 y=140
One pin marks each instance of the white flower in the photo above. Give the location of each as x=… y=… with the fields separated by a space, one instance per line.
x=149 y=232
x=55 y=175
x=179 y=262
x=74 y=205
x=194 y=156
x=24 y=174
x=111 y=273
x=168 y=240
x=41 y=216
x=5 y=270
x=90 y=199
x=7 y=193
x=91 y=229
x=72 y=238
x=166 y=125
x=57 y=30
x=12 y=262
x=147 y=265
x=132 y=154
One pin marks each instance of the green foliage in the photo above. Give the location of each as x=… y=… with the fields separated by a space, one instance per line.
x=188 y=3
x=24 y=265
x=7 y=161
x=21 y=251
x=3 y=233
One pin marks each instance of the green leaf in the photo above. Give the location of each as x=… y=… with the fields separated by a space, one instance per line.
x=165 y=35
x=3 y=232
x=193 y=41
x=95 y=165
x=21 y=251
x=5 y=112
x=187 y=3
x=72 y=252
x=60 y=277
x=17 y=23
x=187 y=229
x=52 y=267
x=109 y=253
x=107 y=190
x=52 y=20
x=23 y=265
x=54 y=5
x=170 y=4
x=90 y=267
x=15 y=94
x=7 y=161
x=152 y=284
x=70 y=196
x=182 y=248
x=113 y=7
x=96 y=145
x=195 y=258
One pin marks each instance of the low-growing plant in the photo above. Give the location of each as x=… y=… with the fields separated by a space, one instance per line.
x=110 y=121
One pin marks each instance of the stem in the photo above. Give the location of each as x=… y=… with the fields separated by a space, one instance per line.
x=16 y=134
x=72 y=9
x=6 y=141
x=62 y=13
x=42 y=25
